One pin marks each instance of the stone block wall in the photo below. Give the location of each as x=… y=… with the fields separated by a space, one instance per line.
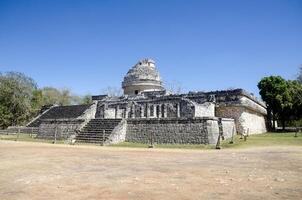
x=252 y=122
x=21 y=129
x=89 y=113
x=206 y=109
x=245 y=119
x=64 y=128
x=118 y=134
x=229 y=127
x=109 y=113
x=178 y=131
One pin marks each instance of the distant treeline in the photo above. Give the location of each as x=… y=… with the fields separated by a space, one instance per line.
x=21 y=98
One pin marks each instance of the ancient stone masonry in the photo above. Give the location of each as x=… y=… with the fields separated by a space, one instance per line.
x=249 y=112
x=142 y=77
x=146 y=110
x=59 y=128
x=63 y=121
x=60 y=112
x=100 y=130
x=177 y=130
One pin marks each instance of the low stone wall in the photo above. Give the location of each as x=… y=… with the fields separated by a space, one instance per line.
x=20 y=129
x=63 y=128
x=179 y=131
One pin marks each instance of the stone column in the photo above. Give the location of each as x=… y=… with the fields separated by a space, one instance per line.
x=178 y=110
x=165 y=111
x=127 y=110
x=124 y=111
x=116 y=111
x=105 y=108
x=148 y=110
x=159 y=110
x=133 y=111
x=142 y=109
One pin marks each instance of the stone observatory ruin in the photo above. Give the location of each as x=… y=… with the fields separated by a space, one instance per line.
x=147 y=111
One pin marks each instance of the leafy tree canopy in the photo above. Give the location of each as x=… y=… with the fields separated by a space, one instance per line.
x=16 y=93
x=21 y=99
x=283 y=98
x=299 y=78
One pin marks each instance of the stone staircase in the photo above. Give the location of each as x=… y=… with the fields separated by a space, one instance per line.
x=97 y=130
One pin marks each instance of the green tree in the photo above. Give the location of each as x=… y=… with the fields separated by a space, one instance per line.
x=275 y=92
x=16 y=94
x=50 y=96
x=65 y=97
x=55 y=96
x=86 y=99
x=299 y=78
x=295 y=89
x=37 y=100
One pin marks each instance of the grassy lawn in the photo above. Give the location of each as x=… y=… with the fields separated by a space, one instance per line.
x=26 y=138
x=267 y=139
x=175 y=146
x=261 y=140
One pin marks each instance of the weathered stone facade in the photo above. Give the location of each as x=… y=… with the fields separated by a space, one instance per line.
x=177 y=130
x=142 y=77
x=249 y=114
x=59 y=128
x=148 y=111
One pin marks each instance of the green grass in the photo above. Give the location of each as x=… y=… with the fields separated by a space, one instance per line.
x=267 y=139
x=26 y=138
x=168 y=146
x=261 y=140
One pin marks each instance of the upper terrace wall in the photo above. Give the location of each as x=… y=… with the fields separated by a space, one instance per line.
x=160 y=107
x=249 y=112
x=246 y=120
x=63 y=112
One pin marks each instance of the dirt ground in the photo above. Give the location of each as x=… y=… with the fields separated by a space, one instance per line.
x=46 y=171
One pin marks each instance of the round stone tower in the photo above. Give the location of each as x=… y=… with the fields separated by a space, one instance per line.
x=142 y=77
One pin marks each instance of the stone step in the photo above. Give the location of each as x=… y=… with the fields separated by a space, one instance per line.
x=92 y=135
x=104 y=121
x=97 y=129
x=91 y=138
x=94 y=124
x=90 y=142
x=84 y=137
x=101 y=126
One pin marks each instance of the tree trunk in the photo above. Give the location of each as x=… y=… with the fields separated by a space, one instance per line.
x=274 y=120
x=283 y=122
x=269 y=119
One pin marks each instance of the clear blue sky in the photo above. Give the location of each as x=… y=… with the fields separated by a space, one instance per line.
x=205 y=45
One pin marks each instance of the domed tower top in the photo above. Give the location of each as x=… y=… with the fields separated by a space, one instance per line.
x=142 y=77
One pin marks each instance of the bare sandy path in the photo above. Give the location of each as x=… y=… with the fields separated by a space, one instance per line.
x=45 y=171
